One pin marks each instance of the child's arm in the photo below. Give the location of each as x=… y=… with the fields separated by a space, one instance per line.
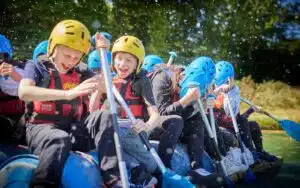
x=145 y=88
x=94 y=103
x=248 y=113
x=153 y=116
x=28 y=90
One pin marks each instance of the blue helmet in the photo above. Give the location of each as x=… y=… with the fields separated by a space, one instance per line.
x=94 y=61
x=41 y=49
x=207 y=65
x=224 y=71
x=150 y=61
x=105 y=34
x=5 y=46
x=193 y=76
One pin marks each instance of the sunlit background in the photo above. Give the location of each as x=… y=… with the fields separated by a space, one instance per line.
x=261 y=38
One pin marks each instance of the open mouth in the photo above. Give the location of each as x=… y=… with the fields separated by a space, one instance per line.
x=123 y=71
x=65 y=67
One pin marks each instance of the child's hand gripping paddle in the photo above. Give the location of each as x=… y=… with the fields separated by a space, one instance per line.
x=170 y=179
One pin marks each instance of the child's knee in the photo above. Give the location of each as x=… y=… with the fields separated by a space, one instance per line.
x=60 y=139
x=151 y=165
x=174 y=122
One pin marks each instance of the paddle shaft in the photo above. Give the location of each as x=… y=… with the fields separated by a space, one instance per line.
x=142 y=135
x=263 y=111
x=236 y=129
x=211 y=136
x=213 y=124
x=170 y=61
x=112 y=104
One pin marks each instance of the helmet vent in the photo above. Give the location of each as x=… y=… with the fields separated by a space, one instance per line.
x=136 y=45
x=126 y=39
x=82 y=35
x=70 y=33
x=69 y=26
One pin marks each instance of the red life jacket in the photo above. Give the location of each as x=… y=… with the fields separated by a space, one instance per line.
x=10 y=105
x=62 y=111
x=134 y=102
x=220 y=114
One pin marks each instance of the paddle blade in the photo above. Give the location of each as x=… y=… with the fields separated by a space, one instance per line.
x=292 y=128
x=170 y=179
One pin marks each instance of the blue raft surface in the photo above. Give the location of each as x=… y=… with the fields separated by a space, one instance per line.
x=17 y=171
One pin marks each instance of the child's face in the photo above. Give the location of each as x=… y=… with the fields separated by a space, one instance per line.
x=125 y=64
x=66 y=58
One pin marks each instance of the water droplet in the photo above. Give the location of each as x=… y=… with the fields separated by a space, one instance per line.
x=96 y=24
x=202 y=11
x=169 y=150
x=214 y=51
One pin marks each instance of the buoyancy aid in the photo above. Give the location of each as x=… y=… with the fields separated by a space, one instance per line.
x=61 y=111
x=10 y=105
x=134 y=102
x=224 y=120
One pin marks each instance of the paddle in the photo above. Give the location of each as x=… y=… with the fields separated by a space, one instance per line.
x=212 y=121
x=112 y=104
x=250 y=177
x=291 y=127
x=170 y=179
x=212 y=136
x=173 y=55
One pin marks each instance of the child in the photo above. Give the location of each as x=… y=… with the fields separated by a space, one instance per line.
x=11 y=107
x=127 y=55
x=56 y=125
x=224 y=82
x=166 y=94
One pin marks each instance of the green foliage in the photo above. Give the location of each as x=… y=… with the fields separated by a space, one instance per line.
x=270 y=94
x=228 y=29
x=276 y=97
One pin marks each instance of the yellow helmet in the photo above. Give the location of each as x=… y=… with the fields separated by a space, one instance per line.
x=72 y=34
x=132 y=45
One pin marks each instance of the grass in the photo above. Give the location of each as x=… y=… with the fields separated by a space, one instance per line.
x=278 y=98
